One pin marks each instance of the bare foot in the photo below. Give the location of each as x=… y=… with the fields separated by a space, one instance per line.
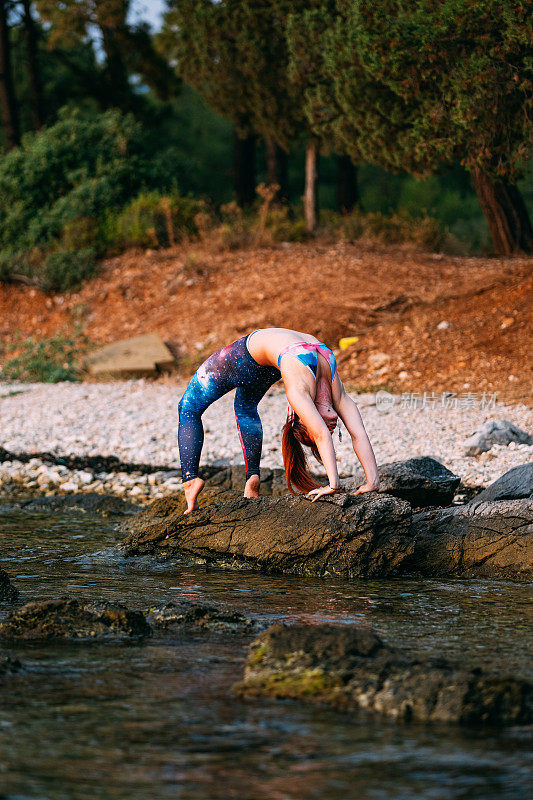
x=252 y=486
x=192 y=489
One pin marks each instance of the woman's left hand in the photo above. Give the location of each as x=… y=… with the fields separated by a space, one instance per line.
x=368 y=487
x=321 y=491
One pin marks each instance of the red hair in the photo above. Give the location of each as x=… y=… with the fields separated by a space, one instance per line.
x=294 y=435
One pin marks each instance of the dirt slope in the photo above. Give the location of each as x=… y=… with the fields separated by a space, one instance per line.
x=392 y=297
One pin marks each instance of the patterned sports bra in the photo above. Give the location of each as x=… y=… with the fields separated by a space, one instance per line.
x=306 y=352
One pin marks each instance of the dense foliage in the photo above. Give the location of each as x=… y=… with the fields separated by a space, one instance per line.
x=439 y=89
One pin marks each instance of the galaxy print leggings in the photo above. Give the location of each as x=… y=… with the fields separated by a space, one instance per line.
x=232 y=367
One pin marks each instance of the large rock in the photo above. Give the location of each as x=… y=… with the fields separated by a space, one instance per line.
x=350 y=536
x=486 y=539
x=140 y=356
x=368 y=535
x=66 y=618
x=350 y=667
x=8 y=592
x=495 y=431
x=513 y=485
x=421 y=481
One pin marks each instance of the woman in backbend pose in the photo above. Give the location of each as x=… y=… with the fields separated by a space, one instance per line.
x=315 y=394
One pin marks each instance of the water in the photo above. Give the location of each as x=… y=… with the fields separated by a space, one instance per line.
x=157 y=720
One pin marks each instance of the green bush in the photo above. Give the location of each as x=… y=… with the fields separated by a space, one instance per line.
x=77 y=169
x=152 y=219
x=65 y=269
x=47 y=361
x=395 y=228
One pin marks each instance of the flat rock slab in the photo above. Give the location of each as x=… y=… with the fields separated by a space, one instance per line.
x=349 y=668
x=140 y=356
x=349 y=536
x=67 y=618
x=484 y=539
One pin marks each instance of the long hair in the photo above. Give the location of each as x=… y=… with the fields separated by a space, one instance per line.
x=294 y=435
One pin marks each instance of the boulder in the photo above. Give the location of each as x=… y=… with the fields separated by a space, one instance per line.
x=422 y=481
x=91 y=502
x=8 y=592
x=513 y=485
x=199 y=617
x=345 y=535
x=495 y=431
x=350 y=667
x=68 y=618
x=492 y=539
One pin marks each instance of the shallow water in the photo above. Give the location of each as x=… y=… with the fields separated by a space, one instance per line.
x=157 y=720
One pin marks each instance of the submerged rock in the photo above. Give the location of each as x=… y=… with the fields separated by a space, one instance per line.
x=8 y=592
x=199 y=617
x=495 y=431
x=68 y=618
x=9 y=665
x=515 y=484
x=349 y=536
x=90 y=502
x=350 y=667
x=481 y=539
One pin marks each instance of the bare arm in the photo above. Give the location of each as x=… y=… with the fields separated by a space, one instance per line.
x=302 y=403
x=349 y=413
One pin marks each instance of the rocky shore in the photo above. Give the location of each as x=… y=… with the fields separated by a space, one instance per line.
x=403 y=529
x=120 y=438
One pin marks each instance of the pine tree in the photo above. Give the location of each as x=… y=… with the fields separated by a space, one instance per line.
x=234 y=53
x=418 y=86
x=128 y=49
x=8 y=101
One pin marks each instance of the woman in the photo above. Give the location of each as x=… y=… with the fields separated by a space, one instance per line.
x=315 y=394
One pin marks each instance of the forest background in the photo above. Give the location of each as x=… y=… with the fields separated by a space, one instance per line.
x=410 y=119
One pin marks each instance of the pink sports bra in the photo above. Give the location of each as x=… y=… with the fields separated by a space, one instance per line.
x=306 y=352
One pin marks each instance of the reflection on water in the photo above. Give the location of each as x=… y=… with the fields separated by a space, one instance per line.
x=157 y=720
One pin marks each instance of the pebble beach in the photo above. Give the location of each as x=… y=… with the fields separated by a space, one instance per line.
x=136 y=421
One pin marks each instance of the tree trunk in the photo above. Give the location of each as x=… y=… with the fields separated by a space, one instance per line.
x=277 y=169
x=8 y=102
x=34 y=75
x=347 y=189
x=506 y=214
x=311 y=186
x=244 y=169
x=118 y=87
